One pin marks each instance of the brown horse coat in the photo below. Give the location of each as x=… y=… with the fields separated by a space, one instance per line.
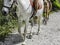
x=35 y=4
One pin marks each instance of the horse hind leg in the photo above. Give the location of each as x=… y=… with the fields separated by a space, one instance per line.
x=36 y=22
x=31 y=24
x=38 y=25
x=30 y=34
x=45 y=16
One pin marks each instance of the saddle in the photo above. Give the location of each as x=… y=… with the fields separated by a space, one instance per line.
x=35 y=4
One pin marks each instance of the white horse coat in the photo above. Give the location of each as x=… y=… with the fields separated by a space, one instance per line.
x=24 y=7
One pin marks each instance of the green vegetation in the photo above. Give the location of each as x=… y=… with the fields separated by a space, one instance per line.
x=56 y=4
x=6 y=25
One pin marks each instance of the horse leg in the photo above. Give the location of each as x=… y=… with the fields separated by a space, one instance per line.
x=25 y=31
x=30 y=34
x=19 y=30
x=48 y=15
x=36 y=20
x=24 y=35
x=50 y=8
x=38 y=25
x=19 y=27
x=45 y=19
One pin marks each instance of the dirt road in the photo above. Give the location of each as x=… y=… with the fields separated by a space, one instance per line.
x=49 y=34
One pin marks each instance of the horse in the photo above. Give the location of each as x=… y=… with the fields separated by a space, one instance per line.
x=23 y=12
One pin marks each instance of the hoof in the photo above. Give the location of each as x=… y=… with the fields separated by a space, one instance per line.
x=45 y=22
x=23 y=43
x=37 y=33
x=48 y=18
x=29 y=36
x=30 y=21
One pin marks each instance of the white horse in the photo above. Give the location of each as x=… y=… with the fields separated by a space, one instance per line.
x=23 y=11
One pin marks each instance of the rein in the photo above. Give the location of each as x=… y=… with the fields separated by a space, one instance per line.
x=6 y=7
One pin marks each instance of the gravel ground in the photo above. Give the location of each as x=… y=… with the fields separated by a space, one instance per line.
x=49 y=34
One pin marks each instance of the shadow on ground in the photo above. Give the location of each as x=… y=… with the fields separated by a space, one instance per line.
x=12 y=39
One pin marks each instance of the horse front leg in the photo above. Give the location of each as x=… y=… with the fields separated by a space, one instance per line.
x=19 y=30
x=25 y=32
x=19 y=27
